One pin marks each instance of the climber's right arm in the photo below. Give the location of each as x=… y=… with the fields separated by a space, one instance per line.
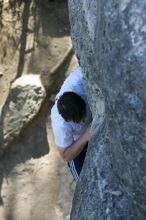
x=76 y=147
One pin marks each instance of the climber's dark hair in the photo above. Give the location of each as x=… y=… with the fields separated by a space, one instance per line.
x=72 y=107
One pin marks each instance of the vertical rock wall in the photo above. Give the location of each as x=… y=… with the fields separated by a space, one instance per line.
x=109 y=39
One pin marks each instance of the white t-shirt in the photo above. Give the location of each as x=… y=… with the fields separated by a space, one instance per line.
x=66 y=133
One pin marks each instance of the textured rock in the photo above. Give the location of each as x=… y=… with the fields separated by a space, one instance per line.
x=109 y=38
x=23 y=103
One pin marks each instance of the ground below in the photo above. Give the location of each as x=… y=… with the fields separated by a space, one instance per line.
x=35 y=38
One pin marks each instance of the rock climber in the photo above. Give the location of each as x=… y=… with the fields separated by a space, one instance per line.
x=71 y=121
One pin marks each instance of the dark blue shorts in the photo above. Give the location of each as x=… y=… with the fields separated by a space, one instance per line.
x=76 y=164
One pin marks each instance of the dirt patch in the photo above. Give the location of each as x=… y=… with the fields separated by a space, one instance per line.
x=34 y=36
x=35 y=187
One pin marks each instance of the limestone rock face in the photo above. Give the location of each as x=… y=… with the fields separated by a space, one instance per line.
x=23 y=103
x=109 y=39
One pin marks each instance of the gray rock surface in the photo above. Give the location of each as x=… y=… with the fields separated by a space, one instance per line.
x=109 y=38
x=23 y=103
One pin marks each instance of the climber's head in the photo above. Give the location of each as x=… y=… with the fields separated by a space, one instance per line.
x=72 y=107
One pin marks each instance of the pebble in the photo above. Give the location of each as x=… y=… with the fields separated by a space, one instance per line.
x=1 y=74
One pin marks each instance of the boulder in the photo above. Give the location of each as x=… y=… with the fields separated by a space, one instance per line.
x=109 y=39
x=23 y=103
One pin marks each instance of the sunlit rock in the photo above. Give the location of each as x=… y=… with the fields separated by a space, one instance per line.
x=110 y=42
x=23 y=103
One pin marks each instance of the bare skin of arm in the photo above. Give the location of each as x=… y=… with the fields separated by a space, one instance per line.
x=75 y=149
